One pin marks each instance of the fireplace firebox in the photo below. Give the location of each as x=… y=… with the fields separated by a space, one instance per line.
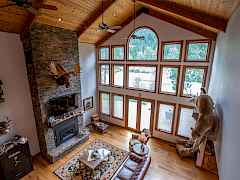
x=65 y=130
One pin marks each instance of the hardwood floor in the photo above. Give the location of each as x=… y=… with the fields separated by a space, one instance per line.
x=165 y=165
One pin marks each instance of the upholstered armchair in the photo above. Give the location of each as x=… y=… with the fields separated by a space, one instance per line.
x=98 y=125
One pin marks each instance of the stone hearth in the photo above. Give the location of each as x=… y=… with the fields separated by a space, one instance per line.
x=44 y=44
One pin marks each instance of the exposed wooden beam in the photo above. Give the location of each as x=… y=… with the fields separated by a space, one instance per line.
x=215 y=22
x=94 y=16
x=126 y=22
x=183 y=24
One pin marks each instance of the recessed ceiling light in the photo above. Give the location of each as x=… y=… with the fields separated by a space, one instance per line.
x=59 y=19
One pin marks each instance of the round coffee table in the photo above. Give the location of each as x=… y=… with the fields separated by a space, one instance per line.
x=140 y=149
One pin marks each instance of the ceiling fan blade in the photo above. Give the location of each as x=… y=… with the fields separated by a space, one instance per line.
x=111 y=30
x=7 y=5
x=115 y=27
x=47 y=6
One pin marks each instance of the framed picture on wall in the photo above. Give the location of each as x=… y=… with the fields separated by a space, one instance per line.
x=88 y=103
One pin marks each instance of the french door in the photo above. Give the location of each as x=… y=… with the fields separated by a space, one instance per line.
x=139 y=114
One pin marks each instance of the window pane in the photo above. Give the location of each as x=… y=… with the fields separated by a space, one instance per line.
x=105 y=100
x=169 y=79
x=118 y=106
x=186 y=122
x=104 y=53
x=142 y=77
x=193 y=81
x=197 y=51
x=118 y=75
x=104 y=70
x=143 y=45
x=165 y=117
x=118 y=53
x=146 y=109
x=132 y=113
x=172 y=52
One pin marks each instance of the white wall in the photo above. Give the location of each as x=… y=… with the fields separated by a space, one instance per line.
x=18 y=104
x=165 y=31
x=224 y=88
x=87 y=56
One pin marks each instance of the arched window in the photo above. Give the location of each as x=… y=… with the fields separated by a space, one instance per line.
x=143 y=45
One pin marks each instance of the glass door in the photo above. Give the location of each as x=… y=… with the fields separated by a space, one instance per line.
x=139 y=114
x=132 y=112
x=146 y=115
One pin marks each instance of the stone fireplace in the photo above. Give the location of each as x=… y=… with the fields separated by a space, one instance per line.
x=57 y=108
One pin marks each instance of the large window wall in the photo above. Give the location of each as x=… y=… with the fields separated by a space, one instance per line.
x=165 y=73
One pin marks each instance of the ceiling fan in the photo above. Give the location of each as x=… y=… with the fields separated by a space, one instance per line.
x=105 y=27
x=31 y=5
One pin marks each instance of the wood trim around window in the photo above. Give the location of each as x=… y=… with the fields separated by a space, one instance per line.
x=163 y=43
x=138 y=89
x=157 y=118
x=160 y=79
x=112 y=52
x=183 y=78
x=115 y=94
x=113 y=75
x=178 y=119
x=99 y=53
x=100 y=77
x=127 y=44
x=196 y=42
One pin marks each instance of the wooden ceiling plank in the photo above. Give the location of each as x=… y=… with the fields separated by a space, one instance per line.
x=188 y=12
x=126 y=22
x=94 y=16
x=183 y=24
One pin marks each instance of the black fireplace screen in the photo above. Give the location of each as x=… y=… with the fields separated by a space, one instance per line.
x=65 y=130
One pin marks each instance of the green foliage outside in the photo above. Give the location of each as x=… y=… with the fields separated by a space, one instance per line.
x=193 y=76
x=197 y=51
x=172 y=51
x=118 y=53
x=143 y=49
x=104 y=53
x=173 y=77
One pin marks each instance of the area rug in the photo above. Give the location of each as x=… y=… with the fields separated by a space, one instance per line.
x=74 y=169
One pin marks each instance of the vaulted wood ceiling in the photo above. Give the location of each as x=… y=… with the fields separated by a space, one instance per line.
x=206 y=17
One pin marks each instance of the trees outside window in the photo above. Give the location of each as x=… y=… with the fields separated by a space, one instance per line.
x=104 y=53
x=143 y=45
x=118 y=53
x=193 y=81
x=169 y=80
x=197 y=51
x=172 y=51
